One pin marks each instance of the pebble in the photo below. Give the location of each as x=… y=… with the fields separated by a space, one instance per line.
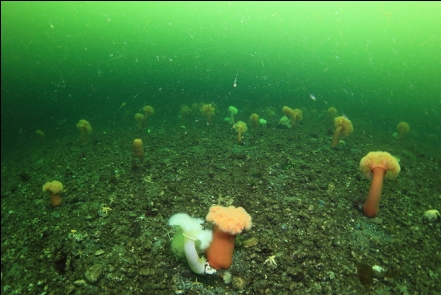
x=379 y=272
x=94 y=273
x=79 y=282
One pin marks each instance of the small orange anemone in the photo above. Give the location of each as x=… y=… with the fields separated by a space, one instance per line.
x=40 y=134
x=287 y=111
x=241 y=128
x=269 y=112
x=148 y=111
x=208 y=110
x=195 y=106
x=84 y=128
x=185 y=110
x=140 y=119
x=254 y=118
x=228 y=222
x=138 y=148
x=294 y=115
x=332 y=111
x=343 y=127
x=54 y=188
x=402 y=128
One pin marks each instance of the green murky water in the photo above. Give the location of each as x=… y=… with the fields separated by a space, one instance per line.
x=377 y=63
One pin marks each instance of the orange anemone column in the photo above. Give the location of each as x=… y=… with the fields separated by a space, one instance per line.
x=372 y=204
x=220 y=252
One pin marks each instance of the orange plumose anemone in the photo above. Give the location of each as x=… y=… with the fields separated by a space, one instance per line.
x=241 y=128
x=143 y=118
x=294 y=115
x=184 y=110
x=139 y=118
x=377 y=165
x=54 y=188
x=332 y=111
x=85 y=129
x=208 y=111
x=148 y=111
x=402 y=128
x=40 y=134
x=343 y=127
x=138 y=148
x=254 y=118
x=228 y=222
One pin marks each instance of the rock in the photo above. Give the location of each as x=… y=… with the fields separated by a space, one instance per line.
x=80 y=282
x=94 y=273
x=336 y=242
x=312 y=186
x=295 y=273
x=145 y=272
x=238 y=283
x=379 y=272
